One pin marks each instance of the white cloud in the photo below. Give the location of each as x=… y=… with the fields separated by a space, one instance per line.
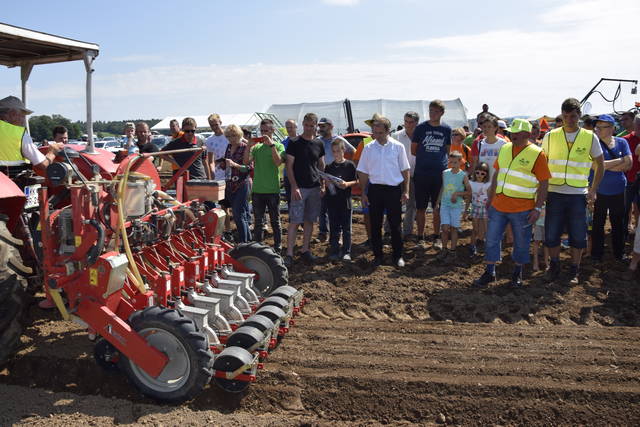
x=515 y=71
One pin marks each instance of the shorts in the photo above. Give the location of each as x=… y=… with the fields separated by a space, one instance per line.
x=427 y=190
x=538 y=233
x=450 y=215
x=307 y=209
x=479 y=211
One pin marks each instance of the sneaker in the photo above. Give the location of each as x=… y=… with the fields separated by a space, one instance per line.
x=377 y=261
x=574 y=276
x=399 y=263
x=288 y=261
x=346 y=257
x=322 y=237
x=516 y=280
x=443 y=255
x=308 y=257
x=552 y=273
x=484 y=280
x=437 y=245
x=564 y=243
x=422 y=244
x=334 y=257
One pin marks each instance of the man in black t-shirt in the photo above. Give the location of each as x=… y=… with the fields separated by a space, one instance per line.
x=143 y=136
x=305 y=160
x=338 y=200
x=187 y=140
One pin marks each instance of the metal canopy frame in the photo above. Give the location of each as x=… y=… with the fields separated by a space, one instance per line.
x=20 y=47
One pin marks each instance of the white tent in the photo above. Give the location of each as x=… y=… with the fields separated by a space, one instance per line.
x=455 y=113
x=244 y=119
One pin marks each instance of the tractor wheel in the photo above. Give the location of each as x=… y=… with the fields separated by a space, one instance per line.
x=266 y=262
x=14 y=298
x=189 y=368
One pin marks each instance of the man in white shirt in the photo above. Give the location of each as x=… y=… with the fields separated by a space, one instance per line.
x=411 y=120
x=216 y=147
x=384 y=168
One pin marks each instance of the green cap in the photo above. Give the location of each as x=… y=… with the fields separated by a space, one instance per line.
x=519 y=125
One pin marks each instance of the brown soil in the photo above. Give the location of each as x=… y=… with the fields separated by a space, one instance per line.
x=385 y=346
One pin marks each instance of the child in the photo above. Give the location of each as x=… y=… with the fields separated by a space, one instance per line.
x=339 y=202
x=479 y=195
x=538 y=239
x=455 y=186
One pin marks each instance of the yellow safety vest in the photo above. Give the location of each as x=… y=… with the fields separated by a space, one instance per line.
x=569 y=166
x=11 y=144
x=515 y=174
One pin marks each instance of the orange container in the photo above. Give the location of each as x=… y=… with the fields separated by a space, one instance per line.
x=205 y=189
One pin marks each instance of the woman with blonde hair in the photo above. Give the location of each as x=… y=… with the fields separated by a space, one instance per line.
x=238 y=181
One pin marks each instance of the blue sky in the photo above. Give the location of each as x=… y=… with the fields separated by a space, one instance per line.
x=160 y=58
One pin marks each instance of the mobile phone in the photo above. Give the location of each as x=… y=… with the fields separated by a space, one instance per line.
x=257 y=139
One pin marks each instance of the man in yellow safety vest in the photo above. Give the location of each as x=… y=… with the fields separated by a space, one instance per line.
x=516 y=196
x=16 y=146
x=571 y=151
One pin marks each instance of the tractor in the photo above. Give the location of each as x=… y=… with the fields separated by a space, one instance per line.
x=145 y=270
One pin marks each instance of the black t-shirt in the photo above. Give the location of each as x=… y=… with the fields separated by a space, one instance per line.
x=347 y=171
x=307 y=154
x=196 y=170
x=148 y=148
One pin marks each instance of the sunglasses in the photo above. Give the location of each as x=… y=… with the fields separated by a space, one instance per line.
x=481 y=173
x=189 y=131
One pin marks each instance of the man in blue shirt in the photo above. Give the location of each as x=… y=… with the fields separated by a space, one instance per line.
x=430 y=144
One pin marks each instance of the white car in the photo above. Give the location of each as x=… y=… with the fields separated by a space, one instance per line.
x=109 y=145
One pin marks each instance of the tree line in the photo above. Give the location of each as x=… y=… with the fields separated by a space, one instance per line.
x=41 y=127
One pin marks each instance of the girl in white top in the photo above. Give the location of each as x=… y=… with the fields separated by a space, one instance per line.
x=489 y=146
x=479 y=197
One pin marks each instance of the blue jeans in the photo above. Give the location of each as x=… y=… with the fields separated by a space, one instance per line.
x=339 y=222
x=521 y=235
x=240 y=208
x=566 y=211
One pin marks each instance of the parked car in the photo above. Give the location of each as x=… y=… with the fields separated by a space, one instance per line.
x=109 y=145
x=160 y=141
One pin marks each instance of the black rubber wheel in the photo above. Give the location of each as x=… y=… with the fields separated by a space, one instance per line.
x=14 y=298
x=262 y=323
x=266 y=262
x=189 y=368
x=271 y=312
x=106 y=356
x=276 y=302
x=230 y=359
x=246 y=337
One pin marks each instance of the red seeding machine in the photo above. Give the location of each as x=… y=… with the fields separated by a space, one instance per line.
x=167 y=300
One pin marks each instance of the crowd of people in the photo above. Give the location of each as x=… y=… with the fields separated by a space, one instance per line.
x=517 y=183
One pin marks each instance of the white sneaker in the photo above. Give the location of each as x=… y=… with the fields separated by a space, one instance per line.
x=437 y=244
x=400 y=262
x=346 y=257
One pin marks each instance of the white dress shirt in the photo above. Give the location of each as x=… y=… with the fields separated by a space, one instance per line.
x=384 y=163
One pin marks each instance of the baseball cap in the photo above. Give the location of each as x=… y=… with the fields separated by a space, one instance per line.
x=11 y=102
x=606 y=118
x=502 y=124
x=325 y=121
x=373 y=118
x=520 y=125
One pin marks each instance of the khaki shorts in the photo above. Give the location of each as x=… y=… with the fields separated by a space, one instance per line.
x=307 y=209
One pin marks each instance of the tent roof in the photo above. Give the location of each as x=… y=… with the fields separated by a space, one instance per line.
x=19 y=46
x=242 y=119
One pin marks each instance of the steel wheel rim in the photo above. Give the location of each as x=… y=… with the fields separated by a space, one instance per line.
x=176 y=372
x=265 y=275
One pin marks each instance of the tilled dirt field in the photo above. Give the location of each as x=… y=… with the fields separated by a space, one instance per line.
x=387 y=346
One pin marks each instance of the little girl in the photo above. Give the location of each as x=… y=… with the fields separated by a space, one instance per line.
x=479 y=189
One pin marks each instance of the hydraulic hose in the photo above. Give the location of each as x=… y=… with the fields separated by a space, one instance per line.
x=137 y=278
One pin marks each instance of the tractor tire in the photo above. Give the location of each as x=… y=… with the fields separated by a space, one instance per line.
x=190 y=359
x=266 y=262
x=14 y=298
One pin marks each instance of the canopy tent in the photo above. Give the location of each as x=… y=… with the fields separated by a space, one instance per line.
x=455 y=113
x=20 y=47
x=243 y=119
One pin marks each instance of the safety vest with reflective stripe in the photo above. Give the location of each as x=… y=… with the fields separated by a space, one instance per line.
x=515 y=174
x=569 y=166
x=11 y=144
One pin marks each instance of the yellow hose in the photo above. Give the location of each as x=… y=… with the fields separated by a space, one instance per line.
x=137 y=278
